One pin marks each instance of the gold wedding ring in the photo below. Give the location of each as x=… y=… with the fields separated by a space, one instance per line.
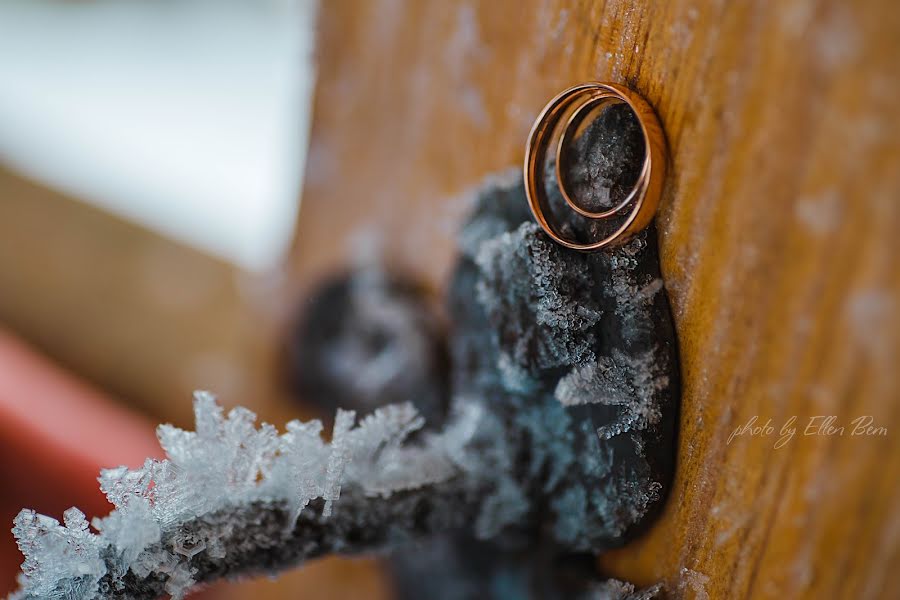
x=637 y=208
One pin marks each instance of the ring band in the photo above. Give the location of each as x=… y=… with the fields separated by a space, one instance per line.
x=643 y=197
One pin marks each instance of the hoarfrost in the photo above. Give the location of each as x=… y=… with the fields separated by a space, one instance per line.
x=535 y=324
x=694 y=581
x=55 y=552
x=543 y=359
x=613 y=589
x=337 y=460
x=631 y=383
x=547 y=315
x=228 y=461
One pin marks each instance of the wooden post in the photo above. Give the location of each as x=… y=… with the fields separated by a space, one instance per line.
x=778 y=233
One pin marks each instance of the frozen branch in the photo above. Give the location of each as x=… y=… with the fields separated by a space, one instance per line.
x=564 y=390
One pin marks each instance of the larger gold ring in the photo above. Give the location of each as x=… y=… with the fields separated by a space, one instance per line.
x=640 y=203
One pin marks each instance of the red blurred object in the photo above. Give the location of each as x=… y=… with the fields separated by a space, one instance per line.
x=56 y=433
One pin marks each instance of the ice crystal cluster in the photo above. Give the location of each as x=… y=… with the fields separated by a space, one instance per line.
x=610 y=152
x=227 y=462
x=614 y=589
x=576 y=353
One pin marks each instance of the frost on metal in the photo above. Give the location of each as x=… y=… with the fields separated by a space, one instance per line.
x=563 y=388
x=577 y=353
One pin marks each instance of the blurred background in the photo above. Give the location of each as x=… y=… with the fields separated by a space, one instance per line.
x=151 y=161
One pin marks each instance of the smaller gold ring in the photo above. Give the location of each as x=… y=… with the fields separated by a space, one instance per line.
x=568 y=131
x=643 y=197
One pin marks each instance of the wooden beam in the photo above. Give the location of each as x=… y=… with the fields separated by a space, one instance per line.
x=778 y=234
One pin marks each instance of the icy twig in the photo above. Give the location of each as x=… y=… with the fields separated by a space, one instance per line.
x=234 y=498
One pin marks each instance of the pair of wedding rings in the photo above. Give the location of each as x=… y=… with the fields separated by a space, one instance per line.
x=560 y=120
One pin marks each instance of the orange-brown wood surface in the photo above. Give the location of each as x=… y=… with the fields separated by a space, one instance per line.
x=777 y=230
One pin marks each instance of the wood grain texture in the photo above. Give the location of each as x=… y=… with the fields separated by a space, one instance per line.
x=148 y=319
x=778 y=233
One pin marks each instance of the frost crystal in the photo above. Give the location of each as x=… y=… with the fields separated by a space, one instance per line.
x=613 y=589
x=337 y=461
x=546 y=316
x=227 y=462
x=631 y=383
x=54 y=553
x=575 y=353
